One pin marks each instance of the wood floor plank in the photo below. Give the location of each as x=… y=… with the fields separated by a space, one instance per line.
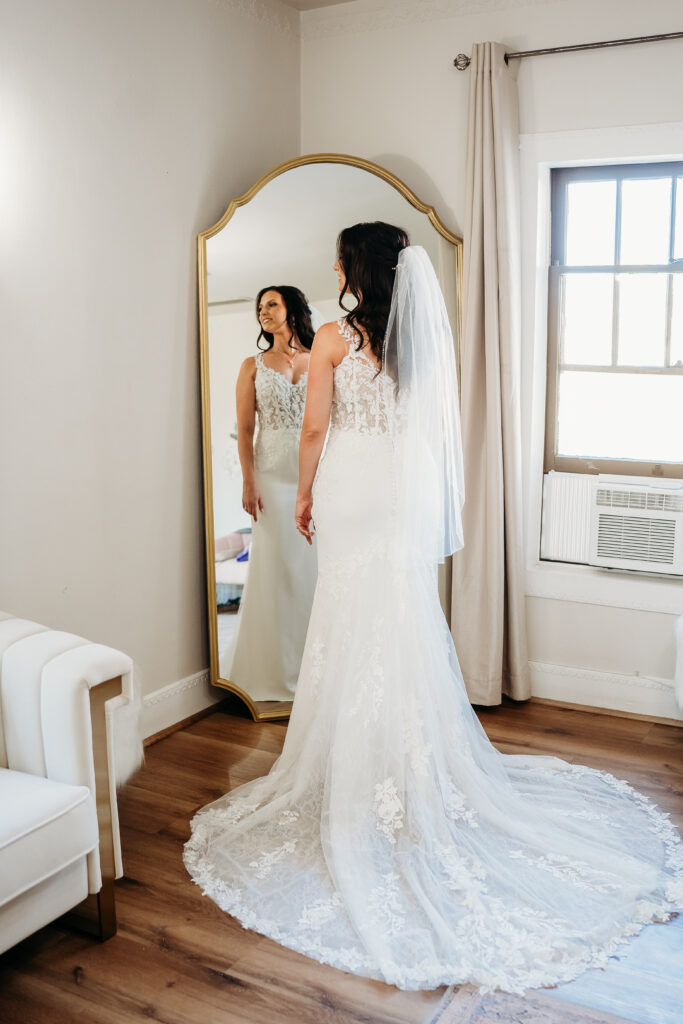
x=663 y=735
x=178 y=959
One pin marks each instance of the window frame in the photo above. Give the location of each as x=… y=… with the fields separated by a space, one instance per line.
x=561 y=177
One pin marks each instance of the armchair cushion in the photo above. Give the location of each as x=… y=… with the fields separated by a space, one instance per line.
x=44 y=827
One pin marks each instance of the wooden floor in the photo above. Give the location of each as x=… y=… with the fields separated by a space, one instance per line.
x=178 y=959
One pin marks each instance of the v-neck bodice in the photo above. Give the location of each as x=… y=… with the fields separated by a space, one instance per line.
x=279 y=402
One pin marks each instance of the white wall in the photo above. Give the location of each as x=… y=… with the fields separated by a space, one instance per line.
x=378 y=82
x=127 y=127
x=378 y=79
x=233 y=331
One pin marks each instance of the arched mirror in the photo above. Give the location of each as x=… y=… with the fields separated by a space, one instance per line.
x=280 y=235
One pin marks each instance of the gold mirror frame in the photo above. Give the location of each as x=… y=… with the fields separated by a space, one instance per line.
x=283 y=709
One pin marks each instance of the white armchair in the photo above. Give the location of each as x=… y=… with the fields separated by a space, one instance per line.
x=59 y=833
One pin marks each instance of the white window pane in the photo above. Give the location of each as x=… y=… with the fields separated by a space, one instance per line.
x=591 y=215
x=642 y=319
x=586 y=318
x=677 y=320
x=678 y=237
x=645 y=220
x=621 y=416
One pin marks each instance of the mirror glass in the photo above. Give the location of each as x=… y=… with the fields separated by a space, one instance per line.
x=261 y=574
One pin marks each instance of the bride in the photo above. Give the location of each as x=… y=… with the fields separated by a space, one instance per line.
x=269 y=635
x=390 y=838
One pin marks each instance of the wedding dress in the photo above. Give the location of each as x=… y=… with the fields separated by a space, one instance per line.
x=265 y=655
x=390 y=838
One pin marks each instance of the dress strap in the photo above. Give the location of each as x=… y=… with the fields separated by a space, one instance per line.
x=348 y=334
x=351 y=338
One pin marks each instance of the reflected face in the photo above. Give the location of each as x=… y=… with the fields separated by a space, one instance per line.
x=341 y=276
x=272 y=312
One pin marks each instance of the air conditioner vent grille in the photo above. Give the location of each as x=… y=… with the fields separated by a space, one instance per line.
x=636 y=538
x=647 y=500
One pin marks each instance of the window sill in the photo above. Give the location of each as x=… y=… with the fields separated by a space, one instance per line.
x=588 y=584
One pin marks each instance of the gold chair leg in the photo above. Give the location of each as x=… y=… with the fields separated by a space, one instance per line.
x=106 y=910
x=97 y=913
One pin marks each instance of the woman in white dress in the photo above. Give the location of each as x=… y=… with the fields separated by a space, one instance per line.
x=265 y=655
x=391 y=838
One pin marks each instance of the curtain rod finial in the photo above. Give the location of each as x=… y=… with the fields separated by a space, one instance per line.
x=461 y=62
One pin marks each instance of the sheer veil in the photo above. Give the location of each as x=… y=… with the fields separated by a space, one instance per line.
x=317 y=319
x=419 y=356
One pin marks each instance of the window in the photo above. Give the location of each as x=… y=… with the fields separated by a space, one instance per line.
x=615 y=327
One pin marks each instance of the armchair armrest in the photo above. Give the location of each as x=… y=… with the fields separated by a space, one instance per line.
x=54 y=688
x=56 y=694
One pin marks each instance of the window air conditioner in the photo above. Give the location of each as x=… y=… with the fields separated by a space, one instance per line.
x=637 y=523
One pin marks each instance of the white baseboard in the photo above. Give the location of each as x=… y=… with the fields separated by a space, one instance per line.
x=640 y=695
x=171 y=704
x=637 y=694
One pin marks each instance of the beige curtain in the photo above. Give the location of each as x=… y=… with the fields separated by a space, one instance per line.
x=488 y=618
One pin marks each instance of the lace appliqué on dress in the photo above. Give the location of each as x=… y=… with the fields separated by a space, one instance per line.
x=265 y=863
x=370 y=681
x=363 y=400
x=337 y=576
x=280 y=409
x=456 y=805
x=388 y=808
x=581 y=876
x=386 y=905
x=319 y=913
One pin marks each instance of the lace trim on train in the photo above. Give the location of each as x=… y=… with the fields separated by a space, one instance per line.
x=524 y=945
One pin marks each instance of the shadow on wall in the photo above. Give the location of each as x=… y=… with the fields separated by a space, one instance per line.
x=422 y=185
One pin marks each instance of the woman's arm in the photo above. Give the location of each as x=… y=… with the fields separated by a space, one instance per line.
x=246 y=424
x=326 y=353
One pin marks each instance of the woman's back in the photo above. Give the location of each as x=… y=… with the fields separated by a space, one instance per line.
x=363 y=398
x=354 y=491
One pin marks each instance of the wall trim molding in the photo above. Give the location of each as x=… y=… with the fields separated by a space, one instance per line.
x=170 y=704
x=639 y=695
x=608 y=136
x=566 y=684
x=374 y=15
x=267 y=12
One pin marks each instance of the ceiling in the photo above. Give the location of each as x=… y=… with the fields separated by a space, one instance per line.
x=312 y=5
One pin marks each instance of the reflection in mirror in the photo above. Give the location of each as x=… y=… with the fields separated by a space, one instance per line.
x=260 y=648
x=269 y=284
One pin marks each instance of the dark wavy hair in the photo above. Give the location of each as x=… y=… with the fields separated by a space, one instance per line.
x=298 y=315
x=368 y=254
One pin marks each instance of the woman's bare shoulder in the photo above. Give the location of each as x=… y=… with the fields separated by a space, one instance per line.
x=248 y=367
x=329 y=341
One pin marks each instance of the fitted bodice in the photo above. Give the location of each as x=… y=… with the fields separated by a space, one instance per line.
x=363 y=400
x=279 y=402
x=280 y=408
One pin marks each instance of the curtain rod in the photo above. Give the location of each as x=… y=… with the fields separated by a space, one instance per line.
x=462 y=61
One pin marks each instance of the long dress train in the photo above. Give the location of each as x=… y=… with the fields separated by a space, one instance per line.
x=390 y=838
x=265 y=655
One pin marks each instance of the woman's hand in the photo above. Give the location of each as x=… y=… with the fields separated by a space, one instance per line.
x=251 y=500
x=303 y=516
